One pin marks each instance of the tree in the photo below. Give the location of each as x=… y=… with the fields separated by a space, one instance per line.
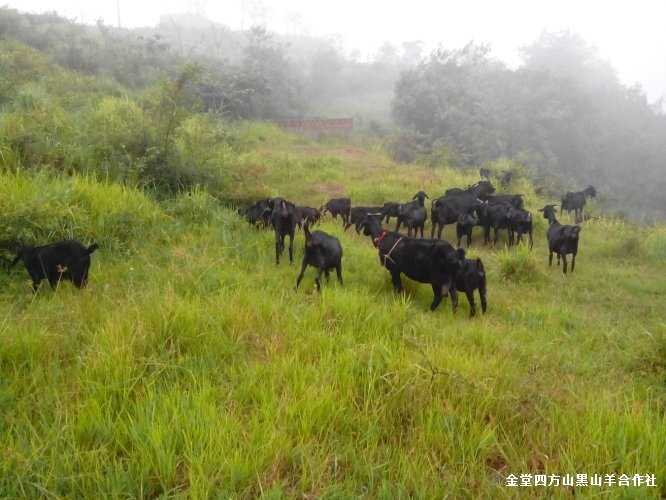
x=276 y=92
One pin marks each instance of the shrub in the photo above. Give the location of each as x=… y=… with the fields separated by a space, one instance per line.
x=41 y=208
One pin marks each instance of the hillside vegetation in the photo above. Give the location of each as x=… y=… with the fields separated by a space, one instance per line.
x=190 y=367
x=129 y=103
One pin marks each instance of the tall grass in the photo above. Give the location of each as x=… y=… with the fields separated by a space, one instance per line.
x=191 y=368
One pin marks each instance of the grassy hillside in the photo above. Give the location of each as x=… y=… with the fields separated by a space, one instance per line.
x=191 y=368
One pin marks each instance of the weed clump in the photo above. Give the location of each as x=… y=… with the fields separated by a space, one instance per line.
x=518 y=266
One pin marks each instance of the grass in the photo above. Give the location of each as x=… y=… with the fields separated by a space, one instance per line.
x=191 y=368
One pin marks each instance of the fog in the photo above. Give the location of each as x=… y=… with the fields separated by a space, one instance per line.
x=629 y=35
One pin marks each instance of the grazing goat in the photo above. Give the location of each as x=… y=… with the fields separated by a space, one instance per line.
x=413 y=214
x=562 y=239
x=283 y=219
x=65 y=260
x=308 y=215
x=259 y=213
x=576 y=202
x=464 y=227
x=322 y=251
x=423 y=260
x=472 y=276
x=358 y=215
x=338 y=206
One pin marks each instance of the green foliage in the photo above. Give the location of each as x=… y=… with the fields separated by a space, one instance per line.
x=519 y=265
x=564 y=111
x=38 y=208
x=190 y=368
x=277 y=94
x=655 y=244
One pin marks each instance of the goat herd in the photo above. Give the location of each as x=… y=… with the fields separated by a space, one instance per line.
x=432 y=260
x=424 y=260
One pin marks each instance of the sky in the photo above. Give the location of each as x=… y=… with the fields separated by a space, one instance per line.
x=631 y=35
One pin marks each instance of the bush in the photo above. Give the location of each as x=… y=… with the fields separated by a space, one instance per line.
x=42 y=208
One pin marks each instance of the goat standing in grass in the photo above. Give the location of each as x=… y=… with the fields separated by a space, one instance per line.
x=322 y=251
x=65 y=260
x=413 y=214
x=424 y=260
x=283 y=219
x=576 y=202
x=562 y=239
x=472 y=276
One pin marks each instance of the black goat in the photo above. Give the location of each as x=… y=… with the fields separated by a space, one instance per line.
x=413 y=214
x=423 y=260
x=390 y=209
x=283 y=219
x=485 y=173
x=65 y=260
x=259 y=213
x=464 y=227
x=562 y=239
x=493 y=216
x=576 y=202
x=308 y=215
x=447 y=209
x=322 y=251
x=338 y=206
x=520 y=222
x=481 y=189
x=358 y=215
x=472 y=276
x=512 y=199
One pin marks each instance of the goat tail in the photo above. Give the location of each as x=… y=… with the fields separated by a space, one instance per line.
x=92 y=248
x=479 y=264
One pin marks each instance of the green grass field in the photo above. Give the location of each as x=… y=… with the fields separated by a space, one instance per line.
x=191 y=368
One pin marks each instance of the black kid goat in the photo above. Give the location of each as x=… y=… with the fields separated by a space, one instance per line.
x=283 y=219
x=322 y=251
x=562 y=239
x=472 y=276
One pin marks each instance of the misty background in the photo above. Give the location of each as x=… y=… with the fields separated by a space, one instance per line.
x=557 y=107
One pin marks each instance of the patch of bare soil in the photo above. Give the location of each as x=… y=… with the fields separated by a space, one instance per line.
x=332 y=190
